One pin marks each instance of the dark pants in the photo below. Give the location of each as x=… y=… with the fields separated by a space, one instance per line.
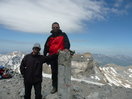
x=54 y=69
x=28 y=88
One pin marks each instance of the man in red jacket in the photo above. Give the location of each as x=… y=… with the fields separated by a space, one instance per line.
x=58 y=40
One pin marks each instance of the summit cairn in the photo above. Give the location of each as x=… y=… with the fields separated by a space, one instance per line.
x=64 y=75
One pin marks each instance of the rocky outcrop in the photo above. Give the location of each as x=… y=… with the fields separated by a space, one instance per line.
x=46 y=68
x=82 y=65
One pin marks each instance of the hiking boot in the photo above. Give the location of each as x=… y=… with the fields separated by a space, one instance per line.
x=54 y=90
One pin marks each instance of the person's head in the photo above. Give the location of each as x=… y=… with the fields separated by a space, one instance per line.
x=36 y=48
x=55 y=27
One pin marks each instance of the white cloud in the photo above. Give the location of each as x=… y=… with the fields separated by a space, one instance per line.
x=120 y=7
x=118 y=3
x=36 y=16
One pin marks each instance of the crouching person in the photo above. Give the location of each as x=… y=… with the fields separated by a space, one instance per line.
x=31 y=69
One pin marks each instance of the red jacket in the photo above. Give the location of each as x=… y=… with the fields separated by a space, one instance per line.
x=55 y=42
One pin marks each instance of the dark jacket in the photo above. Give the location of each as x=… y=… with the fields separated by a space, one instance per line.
x=55 y=42
x=31 y=68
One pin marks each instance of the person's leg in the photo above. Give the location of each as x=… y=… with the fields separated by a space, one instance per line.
x=37 y=87
x=54 y=68
x=28 y=88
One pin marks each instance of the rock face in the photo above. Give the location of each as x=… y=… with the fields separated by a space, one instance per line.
x=11 y=88
x=82 y=65
x=46 y=68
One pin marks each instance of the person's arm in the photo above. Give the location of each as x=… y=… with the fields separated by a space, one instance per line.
x=46 y=47
x=47 y=59
x=23 y=66
x=66 y=41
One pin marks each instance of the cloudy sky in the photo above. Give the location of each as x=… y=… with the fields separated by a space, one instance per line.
x=96 y=26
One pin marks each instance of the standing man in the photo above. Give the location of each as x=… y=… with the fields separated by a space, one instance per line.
x=58 y=40
x=31 y=69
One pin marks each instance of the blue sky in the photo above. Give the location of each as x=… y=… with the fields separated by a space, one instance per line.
x=96 y=26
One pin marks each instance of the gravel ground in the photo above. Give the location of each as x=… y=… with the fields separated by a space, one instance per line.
x=13 y=89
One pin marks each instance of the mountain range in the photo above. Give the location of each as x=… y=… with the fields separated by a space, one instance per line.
x=121 y=60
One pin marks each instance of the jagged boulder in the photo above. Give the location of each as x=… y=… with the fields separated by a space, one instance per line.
x=46 y=68
x=82 y=65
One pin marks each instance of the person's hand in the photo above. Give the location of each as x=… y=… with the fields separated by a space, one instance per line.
x=66 y=50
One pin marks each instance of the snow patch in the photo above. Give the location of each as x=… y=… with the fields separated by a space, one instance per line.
x=130 y=70
x=75 y=79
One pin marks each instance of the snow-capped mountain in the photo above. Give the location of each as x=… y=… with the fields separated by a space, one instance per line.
x=12 y=60
x=117 y=75
x=85 y=70
x=111 y=74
